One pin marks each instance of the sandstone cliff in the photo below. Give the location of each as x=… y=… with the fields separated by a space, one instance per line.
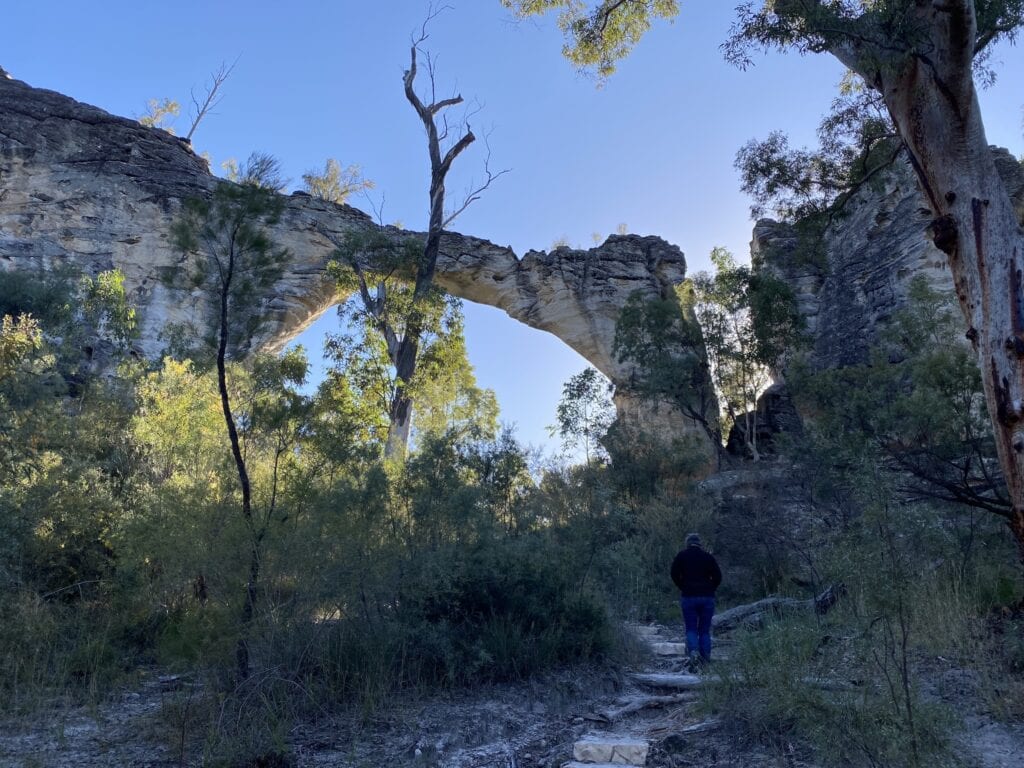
x=849 y=291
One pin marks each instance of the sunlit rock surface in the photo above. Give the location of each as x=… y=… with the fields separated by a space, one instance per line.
x=80 y=186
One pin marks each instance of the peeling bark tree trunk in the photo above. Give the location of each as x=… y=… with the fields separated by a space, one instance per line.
x=930 y=94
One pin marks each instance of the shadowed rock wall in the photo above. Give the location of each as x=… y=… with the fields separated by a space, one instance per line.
x=874 y=248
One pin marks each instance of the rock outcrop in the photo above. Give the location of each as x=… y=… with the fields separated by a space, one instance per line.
x=850 y=287
x=80 y=186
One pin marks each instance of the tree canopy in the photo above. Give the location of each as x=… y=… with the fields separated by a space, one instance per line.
x=864 y=34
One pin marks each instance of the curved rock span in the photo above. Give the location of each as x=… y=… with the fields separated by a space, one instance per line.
x=80 y=186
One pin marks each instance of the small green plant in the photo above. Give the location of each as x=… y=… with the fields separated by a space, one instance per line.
x=781 y=690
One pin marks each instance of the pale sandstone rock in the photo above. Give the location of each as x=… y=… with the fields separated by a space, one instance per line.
x=669 y=649
x=849 y=292
x=81 y=186
x=874 y=248
x=614 y=750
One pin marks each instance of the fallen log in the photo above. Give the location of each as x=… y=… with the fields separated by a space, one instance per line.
x=685 y=682
x=679 y=682
x=753 y=615
x=638 y=704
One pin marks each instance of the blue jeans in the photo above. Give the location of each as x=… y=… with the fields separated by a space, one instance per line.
x=697 y=613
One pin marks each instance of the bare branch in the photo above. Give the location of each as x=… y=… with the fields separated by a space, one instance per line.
x=211 y=98
x=473 y=194
x=449 y=157
x=438 y=106
x=433 y=11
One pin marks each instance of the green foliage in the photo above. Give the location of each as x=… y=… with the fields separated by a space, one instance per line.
x=664 y=341
x=585 y=412
x=235 y=261
x=383 y=311
x=888 y=24
x=48 y=297
x=335 y=184
x=771 y=697
x=599 y=35
x=105 y=307
x=502 y=613
x=748 y=320
x=77 y=314
x=20 y=338
x=918 y=403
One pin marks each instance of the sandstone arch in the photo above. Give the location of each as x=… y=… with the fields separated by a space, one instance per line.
x=81 y=186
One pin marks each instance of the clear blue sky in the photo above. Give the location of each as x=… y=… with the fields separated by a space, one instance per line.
x=653 y=149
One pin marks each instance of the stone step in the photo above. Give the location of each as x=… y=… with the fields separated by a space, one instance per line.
x=610 y=749
x=678 y=682
x=669 y=649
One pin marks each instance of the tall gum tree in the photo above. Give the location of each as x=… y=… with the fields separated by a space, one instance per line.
x=921 y=56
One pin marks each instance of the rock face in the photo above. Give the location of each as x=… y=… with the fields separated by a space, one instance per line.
x=80 y=186
x=869 y=256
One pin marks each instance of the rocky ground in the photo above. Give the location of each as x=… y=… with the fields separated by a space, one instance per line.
x=644 y=713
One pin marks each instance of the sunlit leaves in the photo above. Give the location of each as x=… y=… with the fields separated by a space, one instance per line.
x=160 y=113
x=443 y=388
x=584 y=412
x=19 y=337
x=334 y=183
x=748 y=319
x=599 y=35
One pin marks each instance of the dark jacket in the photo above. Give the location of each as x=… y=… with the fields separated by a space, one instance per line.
x=696 y=573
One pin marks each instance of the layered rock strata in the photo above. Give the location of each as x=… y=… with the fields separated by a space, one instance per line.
x=849 y=287
x=80 y=186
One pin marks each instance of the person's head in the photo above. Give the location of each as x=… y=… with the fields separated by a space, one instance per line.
x=693 y=540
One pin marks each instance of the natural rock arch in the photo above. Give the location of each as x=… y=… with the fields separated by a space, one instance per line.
x=81 y=186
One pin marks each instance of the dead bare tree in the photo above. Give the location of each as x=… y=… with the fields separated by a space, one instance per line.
x=211 y=98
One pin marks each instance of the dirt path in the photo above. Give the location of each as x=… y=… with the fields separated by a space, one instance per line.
x=529 y=725
x=644 y=713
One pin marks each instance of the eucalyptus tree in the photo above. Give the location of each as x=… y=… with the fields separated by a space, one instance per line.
x=392 y=254
x=584 y=413
x=747 y=320
x=921 y=58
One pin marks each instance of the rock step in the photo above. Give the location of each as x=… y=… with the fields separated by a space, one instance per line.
x=609 y=749
x=679 y=682
x=669 y=649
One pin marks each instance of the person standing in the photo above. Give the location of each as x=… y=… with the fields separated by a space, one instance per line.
x=697 y=575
